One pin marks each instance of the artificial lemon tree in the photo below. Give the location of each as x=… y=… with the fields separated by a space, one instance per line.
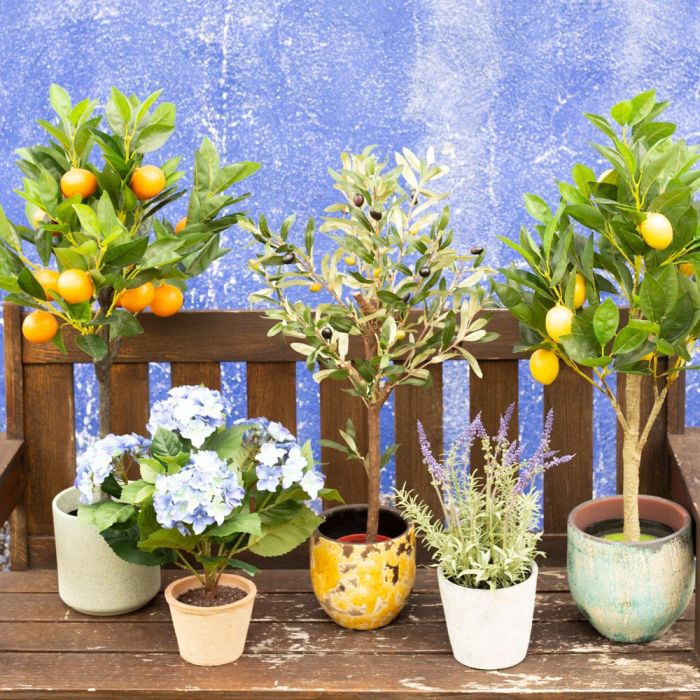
x=100 y=254
x=626 y=237
x=397 y=297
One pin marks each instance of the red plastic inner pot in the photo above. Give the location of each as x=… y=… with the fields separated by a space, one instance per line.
x=360 y=538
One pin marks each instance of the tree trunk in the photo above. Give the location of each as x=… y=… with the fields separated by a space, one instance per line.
x=631 y=457
x=373 y=471
x=104 y=391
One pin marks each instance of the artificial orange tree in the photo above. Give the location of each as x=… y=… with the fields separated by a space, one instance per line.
x=392 y=282
x=626 y=237
x=101 y=255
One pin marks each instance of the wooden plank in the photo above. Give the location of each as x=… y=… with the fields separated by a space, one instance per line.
x=337 y=406
x=14 y=401
x=272 y=392
x=676 y=405
x=424 y=404
x=315 y=638
x=390 y=676
x=654 y=471
x=278 y=608
x=491 y=396
x=207 y=373
x=11 y=476
x=565 y=486
x=550 y=579
x=234 y=336
x=49 y=435
x=129 y=398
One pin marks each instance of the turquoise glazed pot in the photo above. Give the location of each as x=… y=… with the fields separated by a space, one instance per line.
x=631 y=592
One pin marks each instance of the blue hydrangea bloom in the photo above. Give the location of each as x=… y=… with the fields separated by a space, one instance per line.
x=202 y=493
x=194 y=412
x=99 y=459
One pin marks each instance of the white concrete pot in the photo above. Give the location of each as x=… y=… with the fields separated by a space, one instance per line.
x=489 y=629
x=92 y=579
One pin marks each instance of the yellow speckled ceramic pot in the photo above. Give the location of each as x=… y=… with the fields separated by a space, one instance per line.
x=363 y=586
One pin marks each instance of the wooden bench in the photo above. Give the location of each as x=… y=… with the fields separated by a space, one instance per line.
x=294 y=650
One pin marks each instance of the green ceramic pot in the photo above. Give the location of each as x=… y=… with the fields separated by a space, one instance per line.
x=631 y=592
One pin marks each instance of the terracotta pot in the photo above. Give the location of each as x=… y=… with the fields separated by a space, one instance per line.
x=502 y=619
x=631 y=592
x=92 y=579
x=211 y=636
x=363 y=586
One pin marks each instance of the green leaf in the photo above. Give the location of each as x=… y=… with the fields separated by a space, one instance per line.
x=166 y=443
x=93 y=345
x=30 y=284
x=628 y=339
x=126 y=253
x=60 y=101
x=7 y=231
x=136 y=492
x=150 y=468
x=652 y=299
x=249 y=523
x=587 y=215
x=125 y=544
x=104 y=514
x=231 y=174
x=537 y=208
x=284 y=535
x=206 y=165
x=226 y=443
x=606 y=319
x=168 y=539
x=621 y=112
x=161 y=253
x=122 y=324
x=331 y=495
x=88 y=219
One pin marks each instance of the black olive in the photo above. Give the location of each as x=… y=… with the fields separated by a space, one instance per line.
x=327 y=333
x=288 y=259
x=358 y=200
x=424 y=271
x=376 y=215
x=476 y=250
x=406 y=298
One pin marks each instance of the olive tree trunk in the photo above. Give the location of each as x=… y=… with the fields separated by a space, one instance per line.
x=373 y=470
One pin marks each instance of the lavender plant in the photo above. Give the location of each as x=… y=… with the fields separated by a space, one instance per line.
x=205 y=492
x=487 y=537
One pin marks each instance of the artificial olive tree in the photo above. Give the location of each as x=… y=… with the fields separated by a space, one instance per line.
x=627 y=237
x=396 y=296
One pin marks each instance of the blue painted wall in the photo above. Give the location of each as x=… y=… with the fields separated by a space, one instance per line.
x=497 y=87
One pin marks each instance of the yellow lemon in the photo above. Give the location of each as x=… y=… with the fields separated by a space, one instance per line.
x=315 y=287
x=558 y=322
x=656 y=231
x=350 y=260
x=544 y=366
x=688 y=269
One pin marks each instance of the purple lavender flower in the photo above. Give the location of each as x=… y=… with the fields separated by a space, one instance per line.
x=437 y=470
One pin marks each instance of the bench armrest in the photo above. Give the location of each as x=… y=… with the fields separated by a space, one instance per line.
x=11 y=476
x=684 y=449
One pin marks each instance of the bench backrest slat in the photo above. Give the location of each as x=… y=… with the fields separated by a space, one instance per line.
x=40 y=397
x=566 y=486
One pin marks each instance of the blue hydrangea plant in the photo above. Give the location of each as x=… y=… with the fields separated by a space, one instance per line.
x=199 y=491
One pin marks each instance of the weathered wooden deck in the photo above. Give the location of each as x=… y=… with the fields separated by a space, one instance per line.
x=295 y=651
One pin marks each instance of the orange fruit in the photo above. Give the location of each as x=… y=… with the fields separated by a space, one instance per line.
x=75 y=286
x=147 y=181
x=688 y=269
x=39 y=327
x=167 y=300
x=544 y=366
x=78 y=181
x=181 y=224
x=48 y=279
x=137 y=298
x=656 y=231
x=579 y=291
x=558 y=321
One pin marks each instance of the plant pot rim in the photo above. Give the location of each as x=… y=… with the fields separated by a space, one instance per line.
x=347 y=506
x=59 y=496
x=618 y=498
x=226 y=579
x=533 y=572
